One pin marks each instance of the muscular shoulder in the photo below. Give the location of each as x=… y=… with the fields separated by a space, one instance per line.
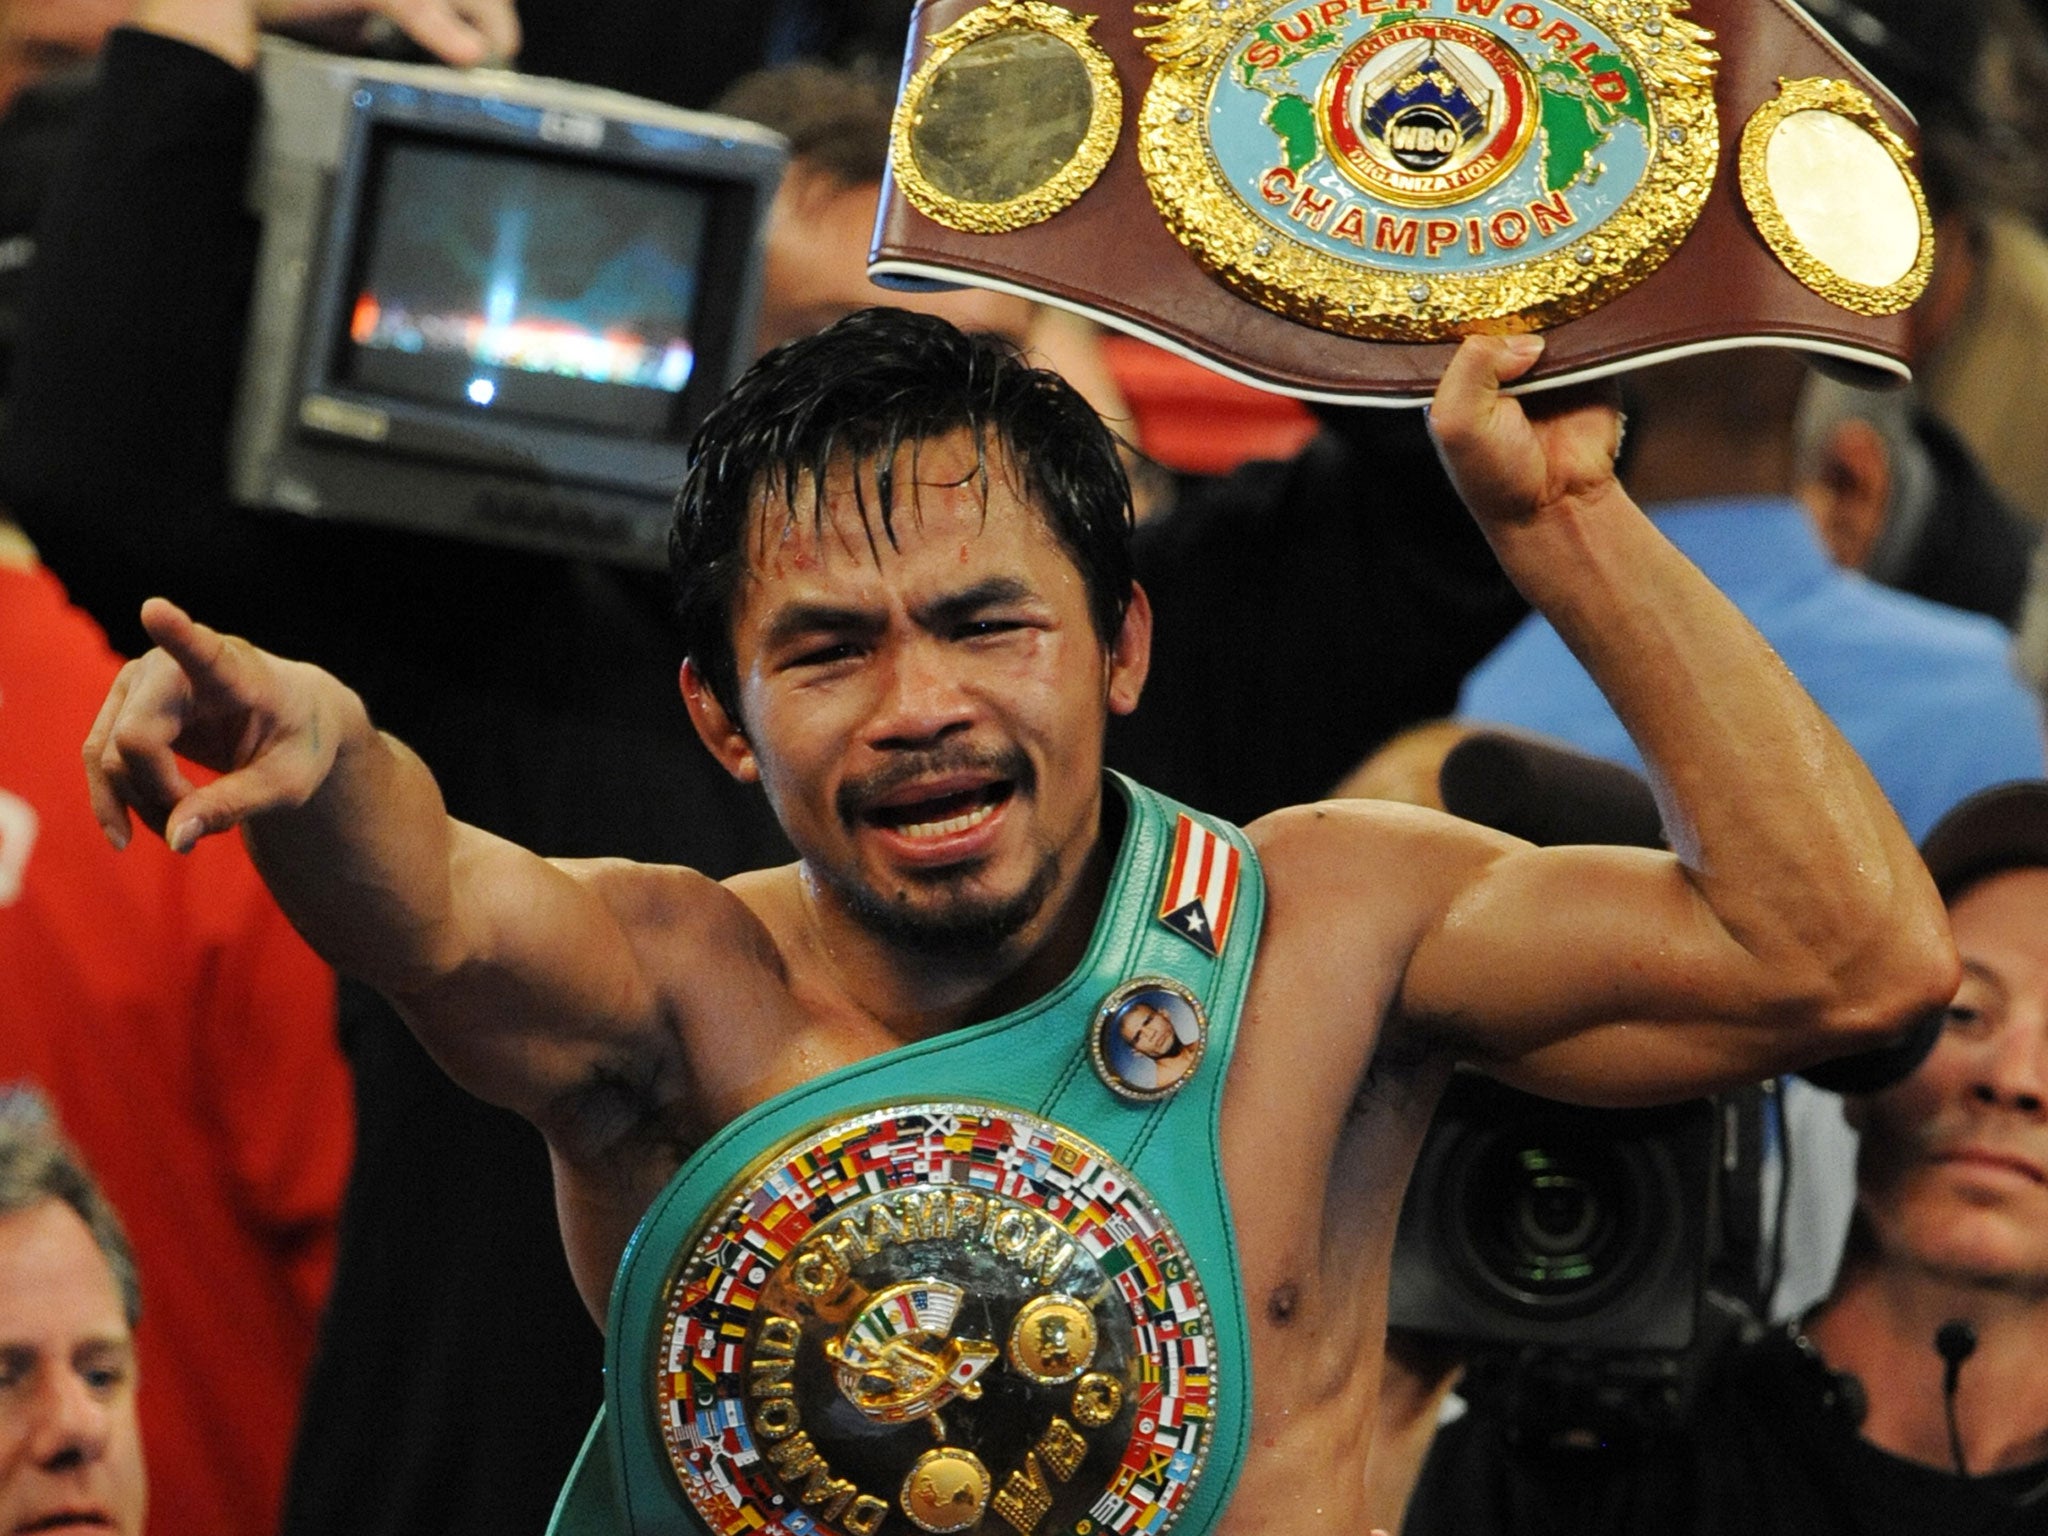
x=706 y=949
x=1352 y=888
x=1394 y=863
x=674 y=906
x=711 y=983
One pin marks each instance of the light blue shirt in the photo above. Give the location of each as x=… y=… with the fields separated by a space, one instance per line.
x=1924 y=692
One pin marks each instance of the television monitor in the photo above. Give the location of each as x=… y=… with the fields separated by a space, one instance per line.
x=490 y=305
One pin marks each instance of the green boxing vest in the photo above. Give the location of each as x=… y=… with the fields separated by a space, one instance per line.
x=983 y=1283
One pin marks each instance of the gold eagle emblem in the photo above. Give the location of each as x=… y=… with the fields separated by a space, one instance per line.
x=898 y=1359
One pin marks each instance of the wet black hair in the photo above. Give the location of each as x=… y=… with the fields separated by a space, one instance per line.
x=859 y=393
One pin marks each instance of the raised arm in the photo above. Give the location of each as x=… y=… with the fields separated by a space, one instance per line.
x=1794 y=920
x=516 y=972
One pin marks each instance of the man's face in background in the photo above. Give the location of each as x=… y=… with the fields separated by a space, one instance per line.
x=1953 y=1175
x=70 y=1444
x=817 y=267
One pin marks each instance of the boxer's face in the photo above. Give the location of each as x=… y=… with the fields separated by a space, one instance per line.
x=70 y=1449
x=1953 y=1174
x=927 y=716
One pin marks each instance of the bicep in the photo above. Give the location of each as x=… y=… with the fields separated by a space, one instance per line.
x=538 y=984
x=1595 y=974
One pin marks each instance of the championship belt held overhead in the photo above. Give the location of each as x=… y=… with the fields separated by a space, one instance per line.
x=1321 y=196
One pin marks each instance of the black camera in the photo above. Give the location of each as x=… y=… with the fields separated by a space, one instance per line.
x=1529 y=1221
x=1553 y=1226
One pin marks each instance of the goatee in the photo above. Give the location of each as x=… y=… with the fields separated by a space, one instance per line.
x=964 y=925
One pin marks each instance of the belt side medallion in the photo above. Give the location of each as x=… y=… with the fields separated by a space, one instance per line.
x=936 y=1318
x=1413 y=170
x=1010 y=118
x=1832 y=190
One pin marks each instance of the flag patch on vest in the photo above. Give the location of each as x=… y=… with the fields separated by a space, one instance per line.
x=1201 y=886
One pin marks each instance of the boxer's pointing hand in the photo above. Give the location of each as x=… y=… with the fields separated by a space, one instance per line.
x=268 y=727
x=1510 y=458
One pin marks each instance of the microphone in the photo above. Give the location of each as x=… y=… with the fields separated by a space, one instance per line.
x=1955 y=1341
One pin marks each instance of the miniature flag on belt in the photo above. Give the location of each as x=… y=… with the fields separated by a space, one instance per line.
x=1201 y=886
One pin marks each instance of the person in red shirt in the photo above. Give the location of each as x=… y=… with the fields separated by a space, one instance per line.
x=186 y=1036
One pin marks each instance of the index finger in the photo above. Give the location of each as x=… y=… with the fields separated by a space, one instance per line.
x=204 y=654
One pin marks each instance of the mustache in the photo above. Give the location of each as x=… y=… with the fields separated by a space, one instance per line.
x=856 y=794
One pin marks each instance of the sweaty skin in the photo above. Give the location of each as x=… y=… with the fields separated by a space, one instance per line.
x=927 y=720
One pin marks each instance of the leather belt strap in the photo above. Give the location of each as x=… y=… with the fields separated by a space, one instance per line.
x=994 y=1271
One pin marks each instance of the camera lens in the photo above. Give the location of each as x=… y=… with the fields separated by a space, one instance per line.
x=1558 y=1215
x=1546 y=1222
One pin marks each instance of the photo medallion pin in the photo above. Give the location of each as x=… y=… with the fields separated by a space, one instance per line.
x=1413 y=170
x=946 y=1317
x=1147 y=1038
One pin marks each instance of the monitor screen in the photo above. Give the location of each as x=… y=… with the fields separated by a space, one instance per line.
x=516 y=283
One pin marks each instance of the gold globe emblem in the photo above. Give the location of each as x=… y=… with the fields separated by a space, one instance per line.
x=946 y=1490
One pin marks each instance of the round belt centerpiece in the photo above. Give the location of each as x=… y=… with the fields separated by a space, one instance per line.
x=1410 y=170
x=945 y=1317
